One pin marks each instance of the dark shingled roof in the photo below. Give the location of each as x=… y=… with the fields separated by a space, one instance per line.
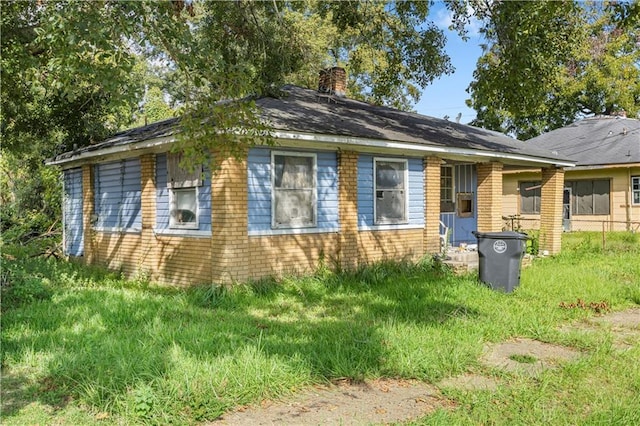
x=307 y=111
x=597 y=141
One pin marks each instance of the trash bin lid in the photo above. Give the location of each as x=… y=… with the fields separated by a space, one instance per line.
x=504 y=235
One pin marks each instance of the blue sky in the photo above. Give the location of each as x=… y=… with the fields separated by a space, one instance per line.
x=447 y=95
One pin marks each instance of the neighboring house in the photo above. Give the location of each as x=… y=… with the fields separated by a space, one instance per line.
x=604 y=187
x=347 y=183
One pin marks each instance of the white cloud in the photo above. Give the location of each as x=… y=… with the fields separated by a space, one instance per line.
x=444 y=19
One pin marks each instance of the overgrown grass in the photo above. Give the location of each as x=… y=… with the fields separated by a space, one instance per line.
x=97 y=348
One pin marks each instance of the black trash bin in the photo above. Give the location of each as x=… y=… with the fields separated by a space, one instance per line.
x=500 y=257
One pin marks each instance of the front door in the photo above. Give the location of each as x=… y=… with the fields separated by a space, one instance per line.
x=566 y=210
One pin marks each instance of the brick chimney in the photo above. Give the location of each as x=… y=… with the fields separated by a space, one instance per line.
x=333 y=81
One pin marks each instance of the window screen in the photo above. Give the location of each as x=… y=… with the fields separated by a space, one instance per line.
x=390 y=188
x=294 y=190
x=530 y=197
x=446 y=189
x=635 y=188
x=590 y=197
x=183 y=183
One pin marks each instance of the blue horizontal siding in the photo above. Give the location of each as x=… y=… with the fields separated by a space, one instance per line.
x=162 y=197
x=118 y=194
x=131 y=209
x=415 y=191
x=72 y=213
x=259 y=190
x=365 y=190
x=162 y=193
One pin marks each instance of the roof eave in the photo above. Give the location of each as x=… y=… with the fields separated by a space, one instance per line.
x=377 y=145
x=311 y=140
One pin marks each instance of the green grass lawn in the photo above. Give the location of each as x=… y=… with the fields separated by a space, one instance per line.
x=83 y=346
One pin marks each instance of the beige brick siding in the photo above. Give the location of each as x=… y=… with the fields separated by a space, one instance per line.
x=147 y=261
x=87 y=212
x=291 y=254
x=489 y=197
x=182 y=260
x=229 y=239
x=117 y=251
x=384 y=245
x=230 y=255
x=551 y=210
x=431 y=232
x=348 y=208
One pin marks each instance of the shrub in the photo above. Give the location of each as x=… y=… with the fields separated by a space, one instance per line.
x=18 y=286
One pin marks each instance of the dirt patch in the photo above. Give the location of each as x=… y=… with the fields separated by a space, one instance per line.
x=345 y=403
x=624 y=326
x=388 y=401
x=526 y=356
x=626 y=319
x=470 y=382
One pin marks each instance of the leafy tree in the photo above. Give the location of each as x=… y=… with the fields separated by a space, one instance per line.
x=71 y=70
x=548 y=63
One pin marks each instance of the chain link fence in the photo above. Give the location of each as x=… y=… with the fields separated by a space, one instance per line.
x=586 y=226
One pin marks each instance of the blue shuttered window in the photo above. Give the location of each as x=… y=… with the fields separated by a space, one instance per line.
x=118 y=195
x=73 y=235
x=260 y=197
x=163 y=202
x=414 y=188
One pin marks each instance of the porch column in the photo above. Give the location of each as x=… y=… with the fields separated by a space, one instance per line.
x=489 y=206
x=148 y=256
x=229 y=222
x=87 y=212
x=348 y=208
x=431 y=234
x=551 y=210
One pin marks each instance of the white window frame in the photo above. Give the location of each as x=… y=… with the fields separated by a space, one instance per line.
x=634 y=191
x=173 y=224
x=186 y=181
x=405 y=189
x=453 y=188
x=314 y=189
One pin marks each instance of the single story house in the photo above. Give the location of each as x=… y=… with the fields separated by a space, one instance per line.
x=347 y=183
x=603 y=188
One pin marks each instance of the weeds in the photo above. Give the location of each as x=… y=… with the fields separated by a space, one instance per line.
x=136 y=353
x=597 y=307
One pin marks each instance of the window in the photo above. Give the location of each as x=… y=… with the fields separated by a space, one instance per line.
x=294 y=190
x=635 y=189
x=390 y=191
x=183 y=186
x=446 y=189
x=184 y=208
x=590 y=197
x=117 y=196
x=529 y=197
x=465 y=204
